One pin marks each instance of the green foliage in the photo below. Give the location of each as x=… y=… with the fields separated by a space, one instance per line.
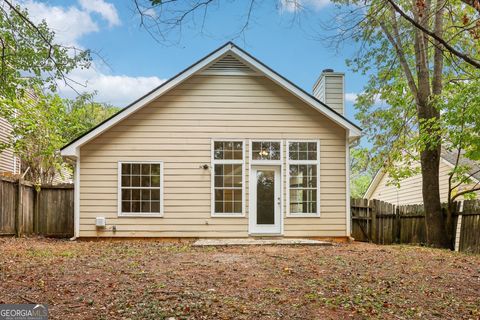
x=36 y=134
x=31 y=66
x=30 y=58
x=42 y=124
x=84 y=114
x=460 y=126
x=361 y=171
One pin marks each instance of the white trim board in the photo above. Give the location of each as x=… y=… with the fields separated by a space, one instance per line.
x=72 y=149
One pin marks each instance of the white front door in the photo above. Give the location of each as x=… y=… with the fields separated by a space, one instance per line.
x=265 y=200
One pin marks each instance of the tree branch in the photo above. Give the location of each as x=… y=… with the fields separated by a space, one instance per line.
x=440 y=40
x=395 y=41
x=461 y=193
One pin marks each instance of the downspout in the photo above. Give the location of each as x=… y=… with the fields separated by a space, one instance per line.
x=76 y=198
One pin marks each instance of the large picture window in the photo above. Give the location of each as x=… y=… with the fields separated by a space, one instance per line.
x=140 y=190
x=303 y=178
x=227 y=174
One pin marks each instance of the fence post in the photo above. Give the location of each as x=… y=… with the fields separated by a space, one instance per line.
x=397 y=224
x=373 y=226
x=18 y=210
x=36 y=213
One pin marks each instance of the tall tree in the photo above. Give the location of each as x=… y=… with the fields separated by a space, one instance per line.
x=412 y=71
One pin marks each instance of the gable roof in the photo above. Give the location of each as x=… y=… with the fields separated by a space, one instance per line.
x=448 y=157
x=230 y=50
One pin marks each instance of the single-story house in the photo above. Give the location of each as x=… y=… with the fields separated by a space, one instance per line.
x=410 y=189
x=226 y=148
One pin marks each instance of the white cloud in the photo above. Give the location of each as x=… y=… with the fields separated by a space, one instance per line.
x=351 y=97
x=118 y=90
x=105 y=9
x=69 y=24
x=297 y=5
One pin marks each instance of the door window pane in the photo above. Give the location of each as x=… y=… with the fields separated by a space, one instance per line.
x=265 y=197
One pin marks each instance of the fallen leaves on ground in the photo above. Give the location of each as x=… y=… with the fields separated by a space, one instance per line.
x=161 y=280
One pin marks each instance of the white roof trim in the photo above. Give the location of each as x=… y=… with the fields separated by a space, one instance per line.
x=374 y=184
x=72 y=149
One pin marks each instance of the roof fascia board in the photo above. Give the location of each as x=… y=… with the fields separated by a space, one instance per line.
x=71 y=149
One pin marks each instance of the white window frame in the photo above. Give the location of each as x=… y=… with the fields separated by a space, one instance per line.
x=119 y=191
x=310 y=162
x=265 y=162
x=212 y=178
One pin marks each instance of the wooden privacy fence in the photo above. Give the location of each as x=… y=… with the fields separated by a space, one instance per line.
x=26 y=211
x=384 y=223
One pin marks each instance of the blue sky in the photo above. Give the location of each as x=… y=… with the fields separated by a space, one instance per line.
x=136 y=62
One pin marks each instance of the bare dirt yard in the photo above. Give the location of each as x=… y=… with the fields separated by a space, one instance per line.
x=156 y=280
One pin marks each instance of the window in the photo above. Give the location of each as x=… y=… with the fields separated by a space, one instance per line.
x=141 y=188
x=227 y=174
x=303 y=178
x=266 y=151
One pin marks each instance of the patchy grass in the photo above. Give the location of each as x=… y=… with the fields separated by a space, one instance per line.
x=158 y=280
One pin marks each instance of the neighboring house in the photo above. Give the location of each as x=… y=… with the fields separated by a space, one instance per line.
x=9 y=164
x=226 y=148
x=410 y=190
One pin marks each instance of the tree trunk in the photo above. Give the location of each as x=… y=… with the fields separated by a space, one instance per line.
x=426 y=110
x=434 y=219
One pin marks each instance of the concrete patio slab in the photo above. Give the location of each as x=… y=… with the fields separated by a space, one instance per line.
x=249 y=242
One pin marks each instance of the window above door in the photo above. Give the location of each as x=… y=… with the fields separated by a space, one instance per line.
x=266 y=151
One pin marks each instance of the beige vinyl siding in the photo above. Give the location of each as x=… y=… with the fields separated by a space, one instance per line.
x=7 y=159
x=410 y=191
x=177 y=129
